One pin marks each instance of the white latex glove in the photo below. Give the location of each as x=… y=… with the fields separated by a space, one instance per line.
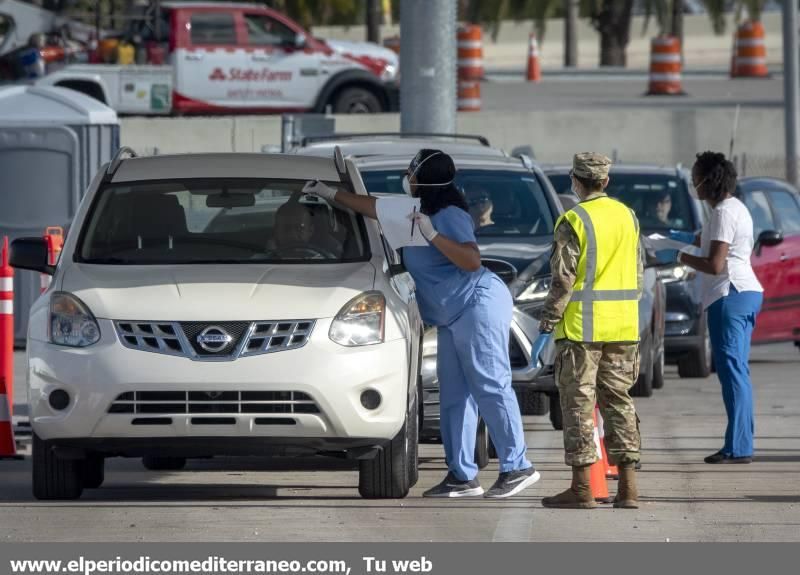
x=320 y=190
x=425 y=225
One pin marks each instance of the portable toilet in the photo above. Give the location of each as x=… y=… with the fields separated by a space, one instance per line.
x=52 y=143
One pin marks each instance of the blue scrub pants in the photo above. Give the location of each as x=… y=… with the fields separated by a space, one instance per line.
x=475 y=374
x=731 y=320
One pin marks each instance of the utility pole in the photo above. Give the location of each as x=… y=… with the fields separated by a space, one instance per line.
x=373 y=21
x=571 y=8
x=428 y=66
x=791 y=87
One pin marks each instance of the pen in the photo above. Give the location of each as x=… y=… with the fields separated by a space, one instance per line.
x=413 y=219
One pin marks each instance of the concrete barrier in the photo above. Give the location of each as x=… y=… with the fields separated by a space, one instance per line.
x=648 y=135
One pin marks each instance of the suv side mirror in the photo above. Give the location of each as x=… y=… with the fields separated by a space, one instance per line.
x=31 y=254
x=298 y=42
x=768 y=238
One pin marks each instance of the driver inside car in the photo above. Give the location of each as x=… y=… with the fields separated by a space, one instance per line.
x=295 y=235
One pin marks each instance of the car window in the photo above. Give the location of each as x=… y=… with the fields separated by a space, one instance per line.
x=760 y=211
x=219 y=220
x=265 y=31
x=562 y=184
x=6 y=26
x=661 y=202
x=788 y=211
x=501 y=202
x=213 y=28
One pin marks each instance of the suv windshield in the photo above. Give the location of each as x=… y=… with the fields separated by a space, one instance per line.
x=218 y=221
x=661 y=201
x=503 y=203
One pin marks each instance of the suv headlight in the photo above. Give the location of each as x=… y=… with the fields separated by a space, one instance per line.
x=361 y=321
x=71 y=322
x=536 y=290
x=674 y=273
x=390 y=73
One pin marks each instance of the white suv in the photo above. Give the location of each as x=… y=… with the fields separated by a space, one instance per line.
x=204 y=306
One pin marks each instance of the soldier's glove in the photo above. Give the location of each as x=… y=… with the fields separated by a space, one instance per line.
x=320 y=190
x=538 y=347
x=684 y=237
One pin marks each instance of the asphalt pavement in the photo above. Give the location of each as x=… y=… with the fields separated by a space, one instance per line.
x=625 y=89
x=229 y=499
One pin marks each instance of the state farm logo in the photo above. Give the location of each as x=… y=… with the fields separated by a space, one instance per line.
x=243 y=75
x=218 y=74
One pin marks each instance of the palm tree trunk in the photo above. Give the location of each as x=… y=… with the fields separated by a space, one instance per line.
x=613 y=21
x=571 y=8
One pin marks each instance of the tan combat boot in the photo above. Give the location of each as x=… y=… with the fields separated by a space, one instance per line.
x=578 y=496
x=627 y=493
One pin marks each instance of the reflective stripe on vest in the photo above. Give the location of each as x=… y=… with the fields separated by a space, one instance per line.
x=604 y=304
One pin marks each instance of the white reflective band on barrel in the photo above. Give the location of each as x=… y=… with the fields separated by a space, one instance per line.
x=6 y=284
x=750 y=61
x=470 y=62
x=6 y=307
x=471 y=103
x=469 y=44
x=666 y=77
x=749 y=42
x=665 y=58
x=5 y=413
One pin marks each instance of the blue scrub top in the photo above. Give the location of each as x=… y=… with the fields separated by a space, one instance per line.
x=443 y=289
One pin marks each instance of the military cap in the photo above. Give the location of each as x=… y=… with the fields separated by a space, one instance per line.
x=591 y=166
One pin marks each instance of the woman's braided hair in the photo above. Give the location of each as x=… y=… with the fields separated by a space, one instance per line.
x=718 y=175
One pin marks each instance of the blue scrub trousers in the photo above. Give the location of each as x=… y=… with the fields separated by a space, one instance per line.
x=731 y=320
x=475 y=374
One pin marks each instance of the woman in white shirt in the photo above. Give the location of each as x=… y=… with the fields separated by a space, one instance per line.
x=732 y=296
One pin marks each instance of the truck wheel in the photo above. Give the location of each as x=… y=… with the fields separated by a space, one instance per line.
x=389 y=474
x=532 y=402
x=556 y=417
x=55 y=478
x=357 y=101
x=482 y=445
x=93 y=472
x=155 y=463
x=697 y=363
x=644 y=381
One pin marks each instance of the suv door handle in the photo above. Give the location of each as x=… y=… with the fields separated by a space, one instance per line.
x=194 y=56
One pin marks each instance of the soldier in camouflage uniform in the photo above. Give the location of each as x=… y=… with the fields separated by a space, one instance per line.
x=592 y=371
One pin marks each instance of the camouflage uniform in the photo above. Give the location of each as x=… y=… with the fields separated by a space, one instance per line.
x=589 y=373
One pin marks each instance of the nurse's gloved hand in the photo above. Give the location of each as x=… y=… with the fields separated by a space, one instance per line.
x=538 y=347
x=425 y=225
x=685 y=237
x=320 y=190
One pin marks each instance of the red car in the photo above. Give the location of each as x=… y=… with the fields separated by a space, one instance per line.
x=775 y=208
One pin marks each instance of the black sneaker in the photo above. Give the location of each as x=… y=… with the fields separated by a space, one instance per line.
x=724 y=458
x=454 y=487
x=512 y=482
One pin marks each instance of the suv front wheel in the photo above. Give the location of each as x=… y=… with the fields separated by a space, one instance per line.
x=697 y=363
x=393 y=471
x=55 y=478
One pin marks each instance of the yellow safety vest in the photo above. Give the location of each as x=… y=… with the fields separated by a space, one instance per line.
x=604 y=305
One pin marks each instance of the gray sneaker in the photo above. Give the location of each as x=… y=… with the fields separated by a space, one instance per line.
x=512 y=482
x=454 y=487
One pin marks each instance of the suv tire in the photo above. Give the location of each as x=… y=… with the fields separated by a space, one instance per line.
x=157 y=463
x=532 y=402
x=390 y=474
x=658 y=370
x=356 y=100
x=55 y=478
x=482 y=445
x=697 y=363
x=93 y=472
x=644 y=381
x=556 y=417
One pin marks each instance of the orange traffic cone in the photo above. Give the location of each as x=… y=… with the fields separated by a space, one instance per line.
x=611 y=470
x=534 y=73
x=8 y=446
x=597 y=473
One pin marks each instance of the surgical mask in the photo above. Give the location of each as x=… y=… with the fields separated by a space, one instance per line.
x=407 y=178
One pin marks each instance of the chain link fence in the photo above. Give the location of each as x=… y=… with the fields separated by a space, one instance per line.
x=757 y=165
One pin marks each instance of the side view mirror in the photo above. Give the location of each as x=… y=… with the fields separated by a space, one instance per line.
x=298 y=42
x=30 y=254
x=768 y=238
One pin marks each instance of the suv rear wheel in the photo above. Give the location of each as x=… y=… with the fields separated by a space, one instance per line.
x=532 y=402
x=55 y=478
x=482 y=445
x=556 y=417
x=644 y=382
x=697 y=363
x=357 y=100
x=391 y=473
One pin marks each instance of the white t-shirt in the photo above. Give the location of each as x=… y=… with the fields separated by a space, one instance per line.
x=730 y=222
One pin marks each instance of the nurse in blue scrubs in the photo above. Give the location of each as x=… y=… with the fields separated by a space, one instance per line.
x=472 y=309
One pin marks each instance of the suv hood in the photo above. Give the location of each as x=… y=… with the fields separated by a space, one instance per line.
x=217 y=292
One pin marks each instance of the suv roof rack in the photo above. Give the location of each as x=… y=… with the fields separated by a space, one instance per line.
x=117 y=160
x=355 y=136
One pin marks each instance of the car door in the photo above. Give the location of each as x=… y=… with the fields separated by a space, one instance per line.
x=786 y=207
x=766 y=264
x=205 y=59
x=285 y=68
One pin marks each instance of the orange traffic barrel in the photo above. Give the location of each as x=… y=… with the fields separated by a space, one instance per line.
x=470 y=52
x=665 y=66
x=469 y=96
x=393 y=43
x=751 y=51
x=534 y=73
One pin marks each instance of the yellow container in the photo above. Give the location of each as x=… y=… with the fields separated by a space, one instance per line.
x=126 y=54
